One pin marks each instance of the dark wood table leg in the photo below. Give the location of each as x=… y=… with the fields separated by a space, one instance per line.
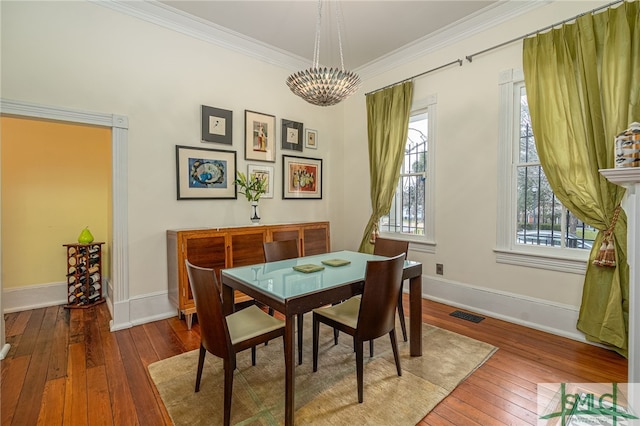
x=228 y=305
x=415 y=315
x=289 y=375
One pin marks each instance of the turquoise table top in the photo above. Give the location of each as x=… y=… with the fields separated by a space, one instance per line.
x=281 y=281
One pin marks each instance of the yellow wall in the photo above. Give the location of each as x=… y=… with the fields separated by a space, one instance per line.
x=56 y=179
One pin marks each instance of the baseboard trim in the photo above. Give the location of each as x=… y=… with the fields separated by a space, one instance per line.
x=34 y=297
x=543 y=315
x=142 y=309
x=554 y=318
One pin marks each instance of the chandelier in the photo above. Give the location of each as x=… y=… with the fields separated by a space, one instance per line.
x=324 y=86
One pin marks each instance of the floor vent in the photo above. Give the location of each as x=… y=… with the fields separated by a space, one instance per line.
x=466 y=316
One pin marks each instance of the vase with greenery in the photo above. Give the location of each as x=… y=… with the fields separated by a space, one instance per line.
x=252 y=187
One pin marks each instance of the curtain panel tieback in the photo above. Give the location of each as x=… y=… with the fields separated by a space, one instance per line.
x=375 y=232
x=607 y=255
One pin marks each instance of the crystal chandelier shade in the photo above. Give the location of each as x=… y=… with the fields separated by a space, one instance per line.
x=324 y=86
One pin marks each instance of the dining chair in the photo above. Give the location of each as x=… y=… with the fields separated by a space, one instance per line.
x=283 y=250
x=368 y=317
x=224 y=336
x=390 y=248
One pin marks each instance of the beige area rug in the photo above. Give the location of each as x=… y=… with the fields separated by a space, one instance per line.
x=329 y=396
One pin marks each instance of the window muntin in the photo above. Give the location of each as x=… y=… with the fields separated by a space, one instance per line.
x=412 y=213
x=407 y=214
x=541 y=219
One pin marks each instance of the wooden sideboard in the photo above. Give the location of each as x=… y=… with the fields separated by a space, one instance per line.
x=220 y=248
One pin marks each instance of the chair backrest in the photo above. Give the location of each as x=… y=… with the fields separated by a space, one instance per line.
x=280 y=250
x=390 y=248
x=214 y=333
x=382 y=282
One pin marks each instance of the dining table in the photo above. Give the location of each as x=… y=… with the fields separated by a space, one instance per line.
x=314 y=283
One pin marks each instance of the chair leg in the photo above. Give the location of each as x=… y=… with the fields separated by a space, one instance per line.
x=300 y=328
x=335 y=336
x=401 y=315
x=253 y=356
x=371 y=348
x=203 y=352
x=360 y=370
x=228 y=389
x=394 y=346
x=316 y=335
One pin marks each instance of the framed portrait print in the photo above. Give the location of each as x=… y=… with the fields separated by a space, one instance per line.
x=302 y=177
x=263 y=172
x=217 y=125
x=310 y=138
x=260 y=136
x=205 y=173
x=291 y=135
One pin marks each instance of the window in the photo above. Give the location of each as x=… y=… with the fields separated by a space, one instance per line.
x=411 y=214
x=534 y=228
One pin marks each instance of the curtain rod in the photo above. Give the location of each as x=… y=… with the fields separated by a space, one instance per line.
x=470 y=57
x=457 y=61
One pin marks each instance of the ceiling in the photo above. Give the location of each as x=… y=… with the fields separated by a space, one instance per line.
x=370 y=29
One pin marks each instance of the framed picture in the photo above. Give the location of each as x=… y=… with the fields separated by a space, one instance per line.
x=205 y=173
x=260 y=136
x=265 y=172
x=302 y=177
x=217 y=125
x=310 y=139
x=291 y=135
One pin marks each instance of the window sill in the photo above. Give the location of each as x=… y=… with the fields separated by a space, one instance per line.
x=416 y=243
x=573 y=265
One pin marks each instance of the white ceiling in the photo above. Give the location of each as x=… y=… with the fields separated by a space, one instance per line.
x=370 y=29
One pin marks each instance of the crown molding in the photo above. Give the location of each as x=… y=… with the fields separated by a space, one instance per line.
x=159 y=14
x=481 y=21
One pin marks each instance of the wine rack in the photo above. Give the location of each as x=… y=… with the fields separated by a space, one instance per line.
x=84 y=275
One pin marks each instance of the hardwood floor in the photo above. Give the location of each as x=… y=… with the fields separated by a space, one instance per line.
x=66 y=368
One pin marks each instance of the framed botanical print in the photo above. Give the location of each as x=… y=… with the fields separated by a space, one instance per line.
x=265 y=172
x=205 y=173
x=260 y=136
x=217 y=125
x=291 y=135
x=301 y=177
x=310 y=138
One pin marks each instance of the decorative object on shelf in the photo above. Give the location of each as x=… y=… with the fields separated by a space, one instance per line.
x=85 y=236
x=628 y=147
x=324 y=86
x=217 y=125
x=259 y=136
x=205 y=173
x=302 y=177
x=311 y=139
x=252 y=187
x=264 y=172
x=291 y=135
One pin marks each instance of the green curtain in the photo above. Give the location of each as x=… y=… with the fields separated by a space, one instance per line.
x=583 y=89
x=388 y=113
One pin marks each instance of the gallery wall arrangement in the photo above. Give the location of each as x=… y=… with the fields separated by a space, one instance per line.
x=209 y=173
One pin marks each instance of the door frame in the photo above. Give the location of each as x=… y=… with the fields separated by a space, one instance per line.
x=118 y=294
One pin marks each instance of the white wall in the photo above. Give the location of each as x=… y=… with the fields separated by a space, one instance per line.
x=80 y=55
x=466 y=179
x=83 y=56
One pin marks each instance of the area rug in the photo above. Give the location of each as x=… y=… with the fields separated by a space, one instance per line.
x=329 y=396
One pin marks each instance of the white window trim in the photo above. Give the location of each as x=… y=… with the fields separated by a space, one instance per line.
x=426 y=243
x=507 y=251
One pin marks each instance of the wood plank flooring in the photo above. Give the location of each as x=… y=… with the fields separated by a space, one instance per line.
x=66 y=368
